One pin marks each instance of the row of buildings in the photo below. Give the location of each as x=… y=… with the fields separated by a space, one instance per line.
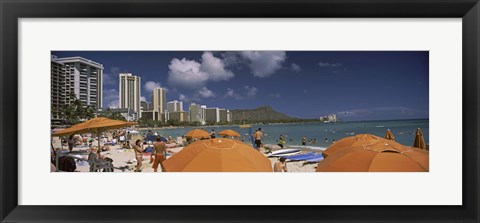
x=159 y=109
x=84 y=78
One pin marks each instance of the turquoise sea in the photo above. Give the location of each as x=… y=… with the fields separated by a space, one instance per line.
x=403 y=130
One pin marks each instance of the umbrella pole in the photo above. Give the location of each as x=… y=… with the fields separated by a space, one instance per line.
x=98 y=136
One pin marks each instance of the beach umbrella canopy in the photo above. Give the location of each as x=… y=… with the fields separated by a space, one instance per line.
x=360 y=139
x=229 y=132
x=389 y=135
x=376 y=157
x=419 y=140
x=197 y=134
x=95 y=125
x=218 y=155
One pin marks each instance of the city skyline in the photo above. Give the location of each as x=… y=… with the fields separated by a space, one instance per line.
x=304 y=84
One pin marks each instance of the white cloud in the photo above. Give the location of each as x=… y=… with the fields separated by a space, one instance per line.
x=183 y=97
x=250 y=91
x=327 y=64
x=206 y=93
x=232 y=58
x=151 y=85
x=215 y=68
x=191 y=74
x=110 y=98
x=142 y=98
x=295 y=67
x=264 y=63
x=231 y=94
x=186 y=73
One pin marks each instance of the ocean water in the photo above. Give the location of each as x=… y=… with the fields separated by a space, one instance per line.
x=403 y=130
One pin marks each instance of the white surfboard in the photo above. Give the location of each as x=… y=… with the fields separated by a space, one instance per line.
x=284 y=152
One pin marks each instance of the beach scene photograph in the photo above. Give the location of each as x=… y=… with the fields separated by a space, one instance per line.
x=239 y=111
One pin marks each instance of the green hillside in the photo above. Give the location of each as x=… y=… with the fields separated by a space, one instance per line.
x=260 y=114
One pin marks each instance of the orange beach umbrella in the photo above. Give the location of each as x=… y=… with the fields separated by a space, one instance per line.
x=197 y=134
x=389 y=135
x=95 y=125
x=360 y=139
x=419 y=140
x=229 y=132
x=370 y=156
x=218 y=155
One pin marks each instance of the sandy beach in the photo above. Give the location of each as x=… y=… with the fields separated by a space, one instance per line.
x=124 y=159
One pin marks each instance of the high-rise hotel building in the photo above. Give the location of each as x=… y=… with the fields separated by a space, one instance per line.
x=159 y=100
x=129 y=94
x=77 y=75
x=175 y=106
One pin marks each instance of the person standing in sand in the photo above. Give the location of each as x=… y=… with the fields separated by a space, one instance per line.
x=280 y=165
x=71 y=142
x=258 y=137
x=304 y=141
x=138 y=154
x=212 y=134
x=281 y=141
x=158 y=153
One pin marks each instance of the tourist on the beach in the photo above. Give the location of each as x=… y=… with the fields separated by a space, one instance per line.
x=314 y=141
x=138 y=154
x=281 y=141
x=212 y=134
x=326 y=140
x=304 y=141
x=333 y=141
x=129 y=138
x=149 y=133
x=93 y=158
x=71 y=142
x=90 y=141
x=105 y=148
x=280 y=165
x=158 y=154
x=110 y=162
x=170 y=140
x=258 y=137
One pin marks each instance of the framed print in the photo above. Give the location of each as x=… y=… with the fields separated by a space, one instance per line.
x=309 y=76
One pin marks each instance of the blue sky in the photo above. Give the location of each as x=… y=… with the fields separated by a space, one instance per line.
x=358 y=85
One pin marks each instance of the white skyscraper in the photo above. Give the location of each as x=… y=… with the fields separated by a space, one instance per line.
x=175 y=106
x=129 y=93
x=196 y=113
x=159 y=99
x=83 y=77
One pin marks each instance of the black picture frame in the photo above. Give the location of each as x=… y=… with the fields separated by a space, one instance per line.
x=11 y=11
